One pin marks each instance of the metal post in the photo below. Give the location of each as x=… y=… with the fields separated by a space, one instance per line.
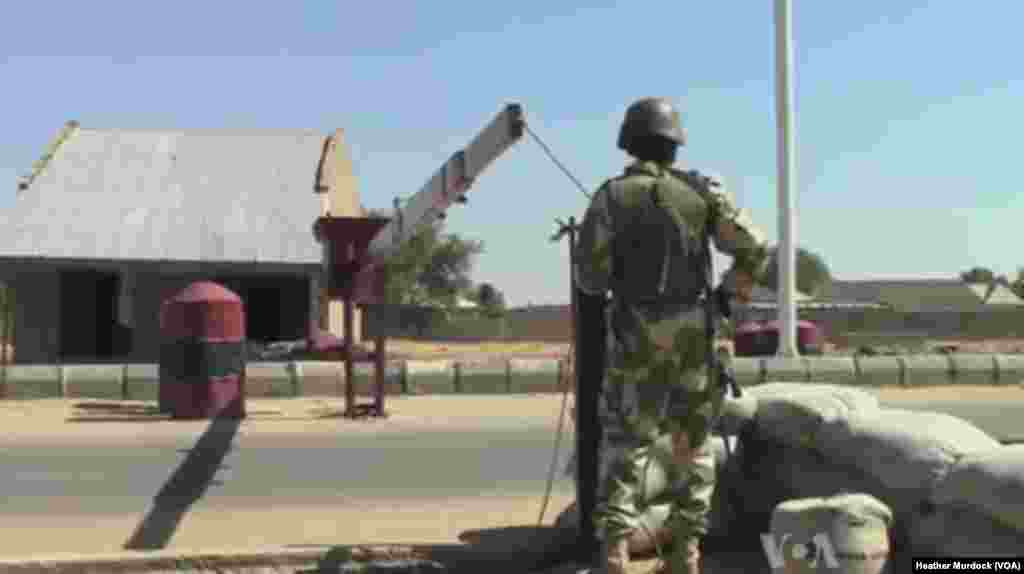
x=588 y=374
x=786 y=177
x=379 y=368
x=350 y=383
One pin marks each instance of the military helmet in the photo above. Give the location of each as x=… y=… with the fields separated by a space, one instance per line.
x=651 y=117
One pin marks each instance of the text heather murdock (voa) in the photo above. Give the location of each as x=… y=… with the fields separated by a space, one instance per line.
x=966 y=564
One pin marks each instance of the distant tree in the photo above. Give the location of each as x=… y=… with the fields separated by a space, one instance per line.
x=431 y=269
x=988 y=277
x=978 y=275
x=1017 y=286
x=490 y=300
x=812 y=273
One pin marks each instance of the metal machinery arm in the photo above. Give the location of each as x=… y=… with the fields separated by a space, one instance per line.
x=450 y=183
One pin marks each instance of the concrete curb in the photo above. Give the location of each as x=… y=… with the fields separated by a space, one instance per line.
x=516 y=375
x=237 y=560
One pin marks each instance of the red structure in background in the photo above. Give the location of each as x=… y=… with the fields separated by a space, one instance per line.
x=202 y=359
x=761 y=338
x=356 y=279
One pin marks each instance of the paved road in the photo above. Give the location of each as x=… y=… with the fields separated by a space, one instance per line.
x=135 y=477
x=315 y=468
x=323 y=466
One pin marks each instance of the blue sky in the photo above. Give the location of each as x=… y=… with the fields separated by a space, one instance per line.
x=909 y=113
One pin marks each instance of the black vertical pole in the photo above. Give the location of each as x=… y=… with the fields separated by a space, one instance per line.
x=589 y=331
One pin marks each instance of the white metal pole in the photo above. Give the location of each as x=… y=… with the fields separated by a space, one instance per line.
x=786 y=178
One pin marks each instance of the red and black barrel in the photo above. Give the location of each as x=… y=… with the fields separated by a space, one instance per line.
x=202 y=358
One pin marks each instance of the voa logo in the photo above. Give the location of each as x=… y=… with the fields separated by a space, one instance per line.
x=815 y=551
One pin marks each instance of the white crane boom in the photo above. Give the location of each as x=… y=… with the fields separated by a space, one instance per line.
x=450 y=183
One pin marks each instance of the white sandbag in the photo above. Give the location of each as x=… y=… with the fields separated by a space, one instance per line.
x=907 y=451
x=854 y=398
x=848 y=533
x=950 y=531
x=990 y=482
x=773 y=472
x=795 y=413
x=804 y=473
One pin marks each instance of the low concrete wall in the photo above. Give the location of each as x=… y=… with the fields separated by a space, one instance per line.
x=316 y=378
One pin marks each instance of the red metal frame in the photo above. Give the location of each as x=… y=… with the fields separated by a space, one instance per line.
x=355 y=278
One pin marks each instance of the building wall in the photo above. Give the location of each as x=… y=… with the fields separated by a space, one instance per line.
x=37 y=316
x=152 y=289
x=339 y=198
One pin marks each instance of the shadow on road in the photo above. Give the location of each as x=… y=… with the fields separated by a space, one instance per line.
x=187 y=485
x=514 y=549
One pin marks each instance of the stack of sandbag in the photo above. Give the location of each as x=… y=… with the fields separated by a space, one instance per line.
x=795 y=414
x=906 y=452
x=820 y=440
x=977 y=509
x=778 y=458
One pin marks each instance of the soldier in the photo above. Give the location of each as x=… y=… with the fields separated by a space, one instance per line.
x=642 y=239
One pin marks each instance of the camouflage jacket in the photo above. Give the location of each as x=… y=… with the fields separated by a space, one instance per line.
x=672 y=331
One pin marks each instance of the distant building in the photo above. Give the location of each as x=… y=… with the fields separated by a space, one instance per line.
x=113 y=221
x=923 y=295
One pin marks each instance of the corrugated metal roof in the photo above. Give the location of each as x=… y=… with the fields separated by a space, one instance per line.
x=174 y=195
x=909 y=294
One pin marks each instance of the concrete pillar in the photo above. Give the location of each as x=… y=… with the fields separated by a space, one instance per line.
x=37 y=317
x=149 y=288
x=315 y=289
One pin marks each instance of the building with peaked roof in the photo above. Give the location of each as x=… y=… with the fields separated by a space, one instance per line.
x=996 y=294
x=112 y=221
x=922 y=295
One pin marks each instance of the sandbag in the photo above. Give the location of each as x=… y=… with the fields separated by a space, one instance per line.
x=772 y=472
x=990 y=482
x=909 y=452
x=795 y=413
x=851 y=529
x=949 y=531
x=854 y=398
x=797 y=472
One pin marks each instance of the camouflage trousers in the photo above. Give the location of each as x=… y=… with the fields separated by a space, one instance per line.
x=638 y=472
x=656 y=451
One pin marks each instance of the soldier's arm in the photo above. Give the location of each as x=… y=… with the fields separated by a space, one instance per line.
x=736 y=235
x=593 y=246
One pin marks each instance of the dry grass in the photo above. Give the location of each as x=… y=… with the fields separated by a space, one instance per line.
x=438 y=349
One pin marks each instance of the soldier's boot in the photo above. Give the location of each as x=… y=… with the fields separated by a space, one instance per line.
x=614 y=557
x=683 y=560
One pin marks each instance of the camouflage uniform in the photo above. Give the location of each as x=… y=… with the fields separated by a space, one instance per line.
x=653 y=347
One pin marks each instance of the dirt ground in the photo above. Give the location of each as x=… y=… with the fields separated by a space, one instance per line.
x=375 y=522
x=426 y=350
x=410 y=349
x=47 y=420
